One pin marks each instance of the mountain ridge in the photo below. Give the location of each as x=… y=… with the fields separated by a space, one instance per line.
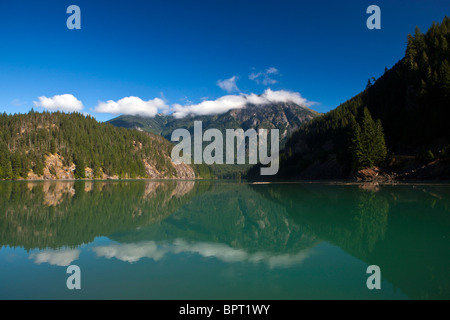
x=287 y=117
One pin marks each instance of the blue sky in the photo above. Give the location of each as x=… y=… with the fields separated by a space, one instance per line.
x=172 y=54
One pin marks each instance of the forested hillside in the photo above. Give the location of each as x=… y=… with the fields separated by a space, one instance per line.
x=403 y=113
x=67 y=146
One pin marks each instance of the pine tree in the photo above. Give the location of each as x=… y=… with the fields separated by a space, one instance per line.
x=411 y=54
x=52 y=146
x=8 y=171
x=380 y=143
x=355 y=146
x=80 y=168
x=445 y=78
x=368 y=139
x=38 y=168
x=367 y=145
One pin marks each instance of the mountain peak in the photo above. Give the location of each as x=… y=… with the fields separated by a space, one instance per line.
x=285 y=116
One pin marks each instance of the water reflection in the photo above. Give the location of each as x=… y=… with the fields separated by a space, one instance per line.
x=133 y=252
x=60 y=257
x=403 y=229
x=42 y=215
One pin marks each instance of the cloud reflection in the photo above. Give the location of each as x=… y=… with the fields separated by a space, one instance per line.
x=61 y=258
x=134 y=252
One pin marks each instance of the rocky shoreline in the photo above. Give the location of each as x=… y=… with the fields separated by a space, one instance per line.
x=54 y=169
x=436 y=170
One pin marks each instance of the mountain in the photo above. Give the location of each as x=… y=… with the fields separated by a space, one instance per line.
x=73 y=146
x=400 y=122
x=287 y=117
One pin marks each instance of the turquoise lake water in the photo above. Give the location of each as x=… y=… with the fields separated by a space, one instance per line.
x=223 y=240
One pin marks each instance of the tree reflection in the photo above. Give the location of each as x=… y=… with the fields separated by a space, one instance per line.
x=55 y=214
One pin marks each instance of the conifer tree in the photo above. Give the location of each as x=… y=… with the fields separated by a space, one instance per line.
x=38 y=168
x=367 y=146
x=80 y=168
x=368 y=139
x=380 y=143
x=445 y=78
x=355 y=146
x=52 y=146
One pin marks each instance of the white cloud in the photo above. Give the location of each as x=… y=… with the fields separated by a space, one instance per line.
x=133 y=106
x=226 y=103
x=65 y=102
x=263 y=77
x=272 y=70
x=221 y=105
x=285 y=96
x=229 y=85
x=61 y=258
x=150 y=108
x=17 y=102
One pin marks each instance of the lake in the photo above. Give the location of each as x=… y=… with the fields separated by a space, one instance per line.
x=223 y=240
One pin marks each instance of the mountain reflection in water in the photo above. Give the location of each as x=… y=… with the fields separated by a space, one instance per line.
x=405 y=229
